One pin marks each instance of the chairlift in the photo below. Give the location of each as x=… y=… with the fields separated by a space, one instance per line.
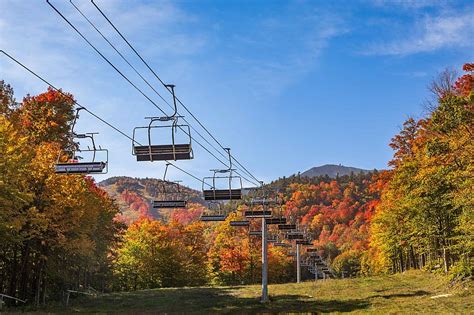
x=295 y=236
x=276 y=221
x=163 y=152
x=73 y=165
x=272 y=239
x=255 y=233
x=311 y=250
x=212 y=216
x=303 y=242
x=286 y=227
x=173 y=199
x=255 y=214
x=261 y=202
x=228 y=193
x=281 y=244
x=240 y=223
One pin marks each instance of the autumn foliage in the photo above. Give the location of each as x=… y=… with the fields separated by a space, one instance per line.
x=64 y=232
x=55 y=231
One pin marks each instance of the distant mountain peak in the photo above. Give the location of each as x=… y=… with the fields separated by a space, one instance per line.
x=333 y=170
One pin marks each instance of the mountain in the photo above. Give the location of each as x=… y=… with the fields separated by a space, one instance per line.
x=135 y=196
x=333 y=171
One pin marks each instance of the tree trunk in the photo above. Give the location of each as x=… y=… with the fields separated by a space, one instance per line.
x=445 y=260
x=400 y=254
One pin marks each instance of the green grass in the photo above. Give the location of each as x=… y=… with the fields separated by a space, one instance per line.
x=404 y=293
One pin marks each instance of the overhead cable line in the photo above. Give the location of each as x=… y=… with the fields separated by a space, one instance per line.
x=164 y=84
x=151 y=86
x=92 y=113
x=132 y=84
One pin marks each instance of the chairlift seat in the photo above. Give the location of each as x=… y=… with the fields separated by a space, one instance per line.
x=222 y=194
x=281 y=244
x=295 y=236
x=163 y=152
x=287 y=227
x=80 y=168
x=303 y=242
x=240 y=223
x=311 y=250
x=213 y=218
x=276 y=221
x=261 y=202
x=255 y=233
x=169 y=204
x=258 y=214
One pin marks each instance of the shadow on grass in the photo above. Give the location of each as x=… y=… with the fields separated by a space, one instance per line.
x=396 y=295
x=207 y=300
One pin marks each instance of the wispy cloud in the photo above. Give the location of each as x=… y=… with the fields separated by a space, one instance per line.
x=285 y=49
x=39 y=38
x=410 y=4
x=455 y=31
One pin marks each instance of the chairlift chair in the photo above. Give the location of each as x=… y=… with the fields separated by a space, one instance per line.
x=73 y=165
x=255 y=233
x=272 y=239
x=162 y=152
x=261 y=202
x=281 y=244
x=212 y=216
x=254 y=214
x=303 y=242
x=170 y=200
x=287 y=227
x=295 y=236
x=276 y=221
x=228 y=193
x=240 y=223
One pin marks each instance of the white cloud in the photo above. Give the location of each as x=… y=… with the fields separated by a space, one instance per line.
x=430 y=34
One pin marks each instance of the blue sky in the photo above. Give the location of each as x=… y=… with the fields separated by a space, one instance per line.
x=286 y=84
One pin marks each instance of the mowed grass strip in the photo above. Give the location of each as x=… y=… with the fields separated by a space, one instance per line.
x=410 y=292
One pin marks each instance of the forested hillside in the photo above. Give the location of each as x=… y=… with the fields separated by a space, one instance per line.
x=135 y=196
x=332 y=171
